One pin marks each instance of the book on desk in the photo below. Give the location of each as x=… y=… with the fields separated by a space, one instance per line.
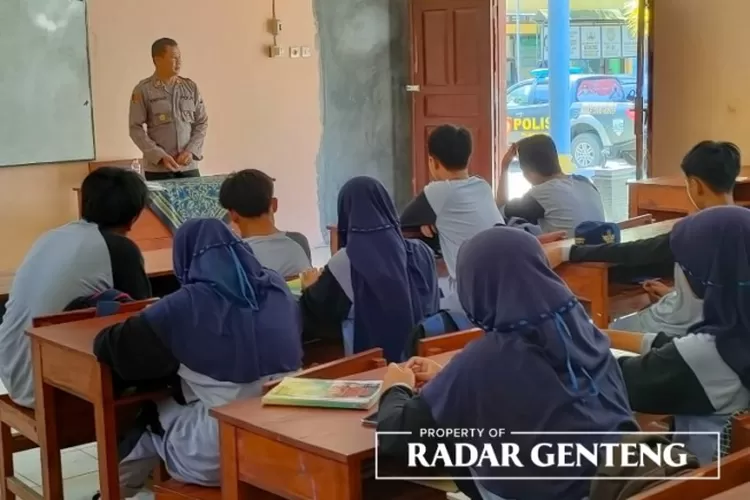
x=348 y=394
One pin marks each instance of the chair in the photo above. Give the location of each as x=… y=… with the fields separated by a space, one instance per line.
x=639 y=221
x=740 y=432
x=340 y=368
x=175 y=490
x=733 y=472
x=72 y=410
x=449 y=342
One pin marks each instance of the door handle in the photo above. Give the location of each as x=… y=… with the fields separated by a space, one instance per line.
x=413 y=88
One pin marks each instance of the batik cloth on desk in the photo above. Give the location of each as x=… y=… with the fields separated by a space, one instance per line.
x=178 y=200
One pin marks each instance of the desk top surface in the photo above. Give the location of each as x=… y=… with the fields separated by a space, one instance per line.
x=77 y=336
x=679 y=180
x=335 y=433
x=741 y=492
x=626 y=235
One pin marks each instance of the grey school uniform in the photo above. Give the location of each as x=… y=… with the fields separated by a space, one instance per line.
x=280 y=253
x=175 y=120
x=567 y=201
x=64 y=264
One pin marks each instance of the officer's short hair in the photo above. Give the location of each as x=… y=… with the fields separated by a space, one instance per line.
x=248 y=192
x=160 y=46
x=715 y=163
x=112 y=197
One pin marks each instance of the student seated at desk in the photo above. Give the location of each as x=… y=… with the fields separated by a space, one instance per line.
x=556 y=201
x=231 y=327
x=76 y=260
x=378 y=286
x=704 y=376
x=454 y=206
x=248 y=196
x=542 y=366
x=711 y=169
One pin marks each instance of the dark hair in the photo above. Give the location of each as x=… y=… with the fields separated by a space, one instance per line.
x=248 y=192
x=160 y=46
x=451 y=146
x=539 y=154
x=715 y=163
x=112 y=197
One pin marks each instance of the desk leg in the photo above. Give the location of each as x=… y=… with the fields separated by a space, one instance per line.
x=49 y=443
x=600 y=300
x=230 y=474
x=106 y=435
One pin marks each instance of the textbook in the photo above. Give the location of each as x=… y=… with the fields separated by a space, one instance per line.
x=352 y=394
x=295 y=286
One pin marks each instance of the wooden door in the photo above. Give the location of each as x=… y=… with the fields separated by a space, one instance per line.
x=451 y=78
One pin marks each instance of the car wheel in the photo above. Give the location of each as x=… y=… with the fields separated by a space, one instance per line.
x=586 y=150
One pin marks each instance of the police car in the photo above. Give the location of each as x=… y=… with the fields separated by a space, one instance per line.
x=602 y=115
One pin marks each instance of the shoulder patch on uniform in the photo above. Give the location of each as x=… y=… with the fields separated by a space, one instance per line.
x=136 y=98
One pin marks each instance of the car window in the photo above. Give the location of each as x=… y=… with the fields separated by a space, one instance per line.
x=519 y=96
x=600 y=90
x=541 y=94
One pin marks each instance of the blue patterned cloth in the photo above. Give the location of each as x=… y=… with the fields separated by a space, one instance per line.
x=179 y=200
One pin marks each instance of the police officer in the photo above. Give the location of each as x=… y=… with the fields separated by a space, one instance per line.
x=174 y=115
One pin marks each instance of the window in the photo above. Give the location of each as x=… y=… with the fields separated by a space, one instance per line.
x=541 y=94
x=519 y=96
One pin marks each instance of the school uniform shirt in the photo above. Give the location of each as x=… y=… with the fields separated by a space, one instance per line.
x=279 y=252
x=685 y=377
x=559 y=204
x=459 y=209
x=651 y=257
x=72 y=261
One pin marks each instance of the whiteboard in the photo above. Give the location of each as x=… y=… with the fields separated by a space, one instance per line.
x=45 y=94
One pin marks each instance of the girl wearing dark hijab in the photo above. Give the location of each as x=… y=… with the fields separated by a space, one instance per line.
x=703 y=377
x=542 y=366
x=391 y=282
x=231 y=326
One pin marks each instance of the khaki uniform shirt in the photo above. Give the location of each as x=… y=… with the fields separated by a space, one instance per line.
x=167 y=119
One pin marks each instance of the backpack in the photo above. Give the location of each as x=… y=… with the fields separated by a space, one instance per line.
x=440 y=323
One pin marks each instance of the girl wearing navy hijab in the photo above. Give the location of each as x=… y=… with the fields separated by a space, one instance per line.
x=390 y=282
x=701 y=378
x=231 y=326
x=542 y=366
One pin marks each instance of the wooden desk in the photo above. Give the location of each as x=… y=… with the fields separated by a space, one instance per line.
x=741 y=492
x=589 y=281
x=667 y=198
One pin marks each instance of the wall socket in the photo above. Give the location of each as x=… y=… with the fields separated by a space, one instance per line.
x=276 y=51
x=274 y=26
x=294 y=52
x=306 y=52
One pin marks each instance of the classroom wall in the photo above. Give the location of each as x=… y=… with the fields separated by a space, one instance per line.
x=700 y=87
x=364 y=67
x=263 y=113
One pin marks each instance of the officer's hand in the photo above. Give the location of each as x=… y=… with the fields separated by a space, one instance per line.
x=184 y=158
x=170 y=164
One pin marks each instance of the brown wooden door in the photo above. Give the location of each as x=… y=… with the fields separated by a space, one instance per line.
x=451 y=78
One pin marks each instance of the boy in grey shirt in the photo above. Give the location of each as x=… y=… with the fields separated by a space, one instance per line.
x=556 y=201
x=248 y=196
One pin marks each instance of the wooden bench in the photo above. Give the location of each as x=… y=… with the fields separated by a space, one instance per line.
x=740 y=432
x=433 y=346
x=175 y=490
x=71 y=409
x=734 y=472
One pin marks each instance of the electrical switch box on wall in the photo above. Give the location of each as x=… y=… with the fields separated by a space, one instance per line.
x=305 y=51
x=294 y=52
x=274 y=26
x=275 y=51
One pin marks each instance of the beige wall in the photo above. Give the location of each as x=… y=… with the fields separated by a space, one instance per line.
x=263 y=112
x=700 y=87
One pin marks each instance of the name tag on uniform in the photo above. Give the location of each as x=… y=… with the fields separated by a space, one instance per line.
x=164 y=117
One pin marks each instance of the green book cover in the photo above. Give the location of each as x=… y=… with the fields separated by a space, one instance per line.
x=295 y=286
x=352 y=394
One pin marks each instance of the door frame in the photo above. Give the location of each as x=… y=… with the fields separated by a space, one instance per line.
x=498 y=114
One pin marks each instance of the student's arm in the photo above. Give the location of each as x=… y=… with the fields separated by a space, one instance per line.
x=654 y=250
x=526 y=208
x=418 y=213
x=400 y=410
x=324 y=304
x=662 y=383
x=134 y=351
x=128 y=271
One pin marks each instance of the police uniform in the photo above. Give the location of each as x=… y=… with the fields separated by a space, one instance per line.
x=175 y=120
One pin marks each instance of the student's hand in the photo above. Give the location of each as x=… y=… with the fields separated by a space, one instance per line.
x=170 y=164
x=424 y=369
x=309 y=277
x=508 y=157
x=656 y=289
x=184 y=158
x=428 y=231
x=396 y=375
